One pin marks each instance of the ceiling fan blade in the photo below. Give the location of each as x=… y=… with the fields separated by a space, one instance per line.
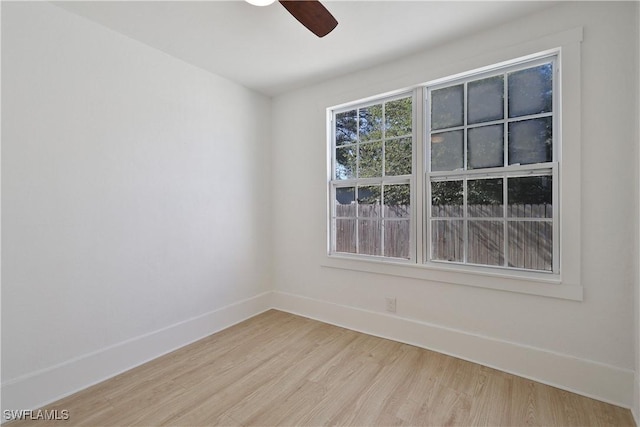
x=312 y=14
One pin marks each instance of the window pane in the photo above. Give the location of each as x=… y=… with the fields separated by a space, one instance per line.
x=369 y=201
x=371 y=123
x=530 y=197
x=446 y=107
x=485 y=147
x=485 y=100
x=397 y=157
x=346 y=127
x=397 y=238
x=397 y=201
x=346 y=235
x=370 y=160
x=486 y=243
x=447 y=151
x=530 y=141
x=447 y=199
x=345 y=162
x=530 y=91
x=485 y=198
x=346 y=201
x=447 y=240
x=530 y=245
x=398 y=118
x=370 y=237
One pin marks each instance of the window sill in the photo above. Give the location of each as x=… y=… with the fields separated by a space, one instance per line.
x=509 y=281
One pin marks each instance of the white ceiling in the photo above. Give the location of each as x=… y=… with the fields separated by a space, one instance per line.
x=266 y=49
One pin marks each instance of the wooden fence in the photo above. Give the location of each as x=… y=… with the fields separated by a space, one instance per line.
x=529 y=243
x=395 y=228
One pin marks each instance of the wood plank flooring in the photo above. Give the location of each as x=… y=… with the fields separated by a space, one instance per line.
x=278 y=369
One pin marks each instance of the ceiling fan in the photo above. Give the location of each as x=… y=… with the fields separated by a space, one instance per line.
x=311 y=13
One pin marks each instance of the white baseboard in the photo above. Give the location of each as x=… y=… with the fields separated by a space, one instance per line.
x=592 y=379
x=48 y=385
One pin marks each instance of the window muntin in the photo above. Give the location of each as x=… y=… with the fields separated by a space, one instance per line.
x=490 y=197
x=372 y=158
x=490 y=168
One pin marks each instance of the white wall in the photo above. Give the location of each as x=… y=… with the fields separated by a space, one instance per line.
x=136 y=205
x=528 y=335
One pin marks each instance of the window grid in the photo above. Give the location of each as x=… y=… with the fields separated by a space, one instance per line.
x=421 y=204
x=383 y=223
x=464 y=174
x=504 y=219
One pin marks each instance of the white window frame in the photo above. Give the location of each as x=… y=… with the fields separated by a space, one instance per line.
x=504 y=172
x=566 y=284
x=334 y=183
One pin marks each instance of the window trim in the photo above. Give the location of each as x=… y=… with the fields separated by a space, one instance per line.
x=566 y=285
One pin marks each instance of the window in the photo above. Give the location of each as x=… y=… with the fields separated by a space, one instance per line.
x=492 y=169
x=371 y=179
x=477 y=187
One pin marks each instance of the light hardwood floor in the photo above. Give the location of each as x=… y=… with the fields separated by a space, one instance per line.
x=281 y=369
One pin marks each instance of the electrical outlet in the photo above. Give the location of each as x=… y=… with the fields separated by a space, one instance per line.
x=391 y=304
